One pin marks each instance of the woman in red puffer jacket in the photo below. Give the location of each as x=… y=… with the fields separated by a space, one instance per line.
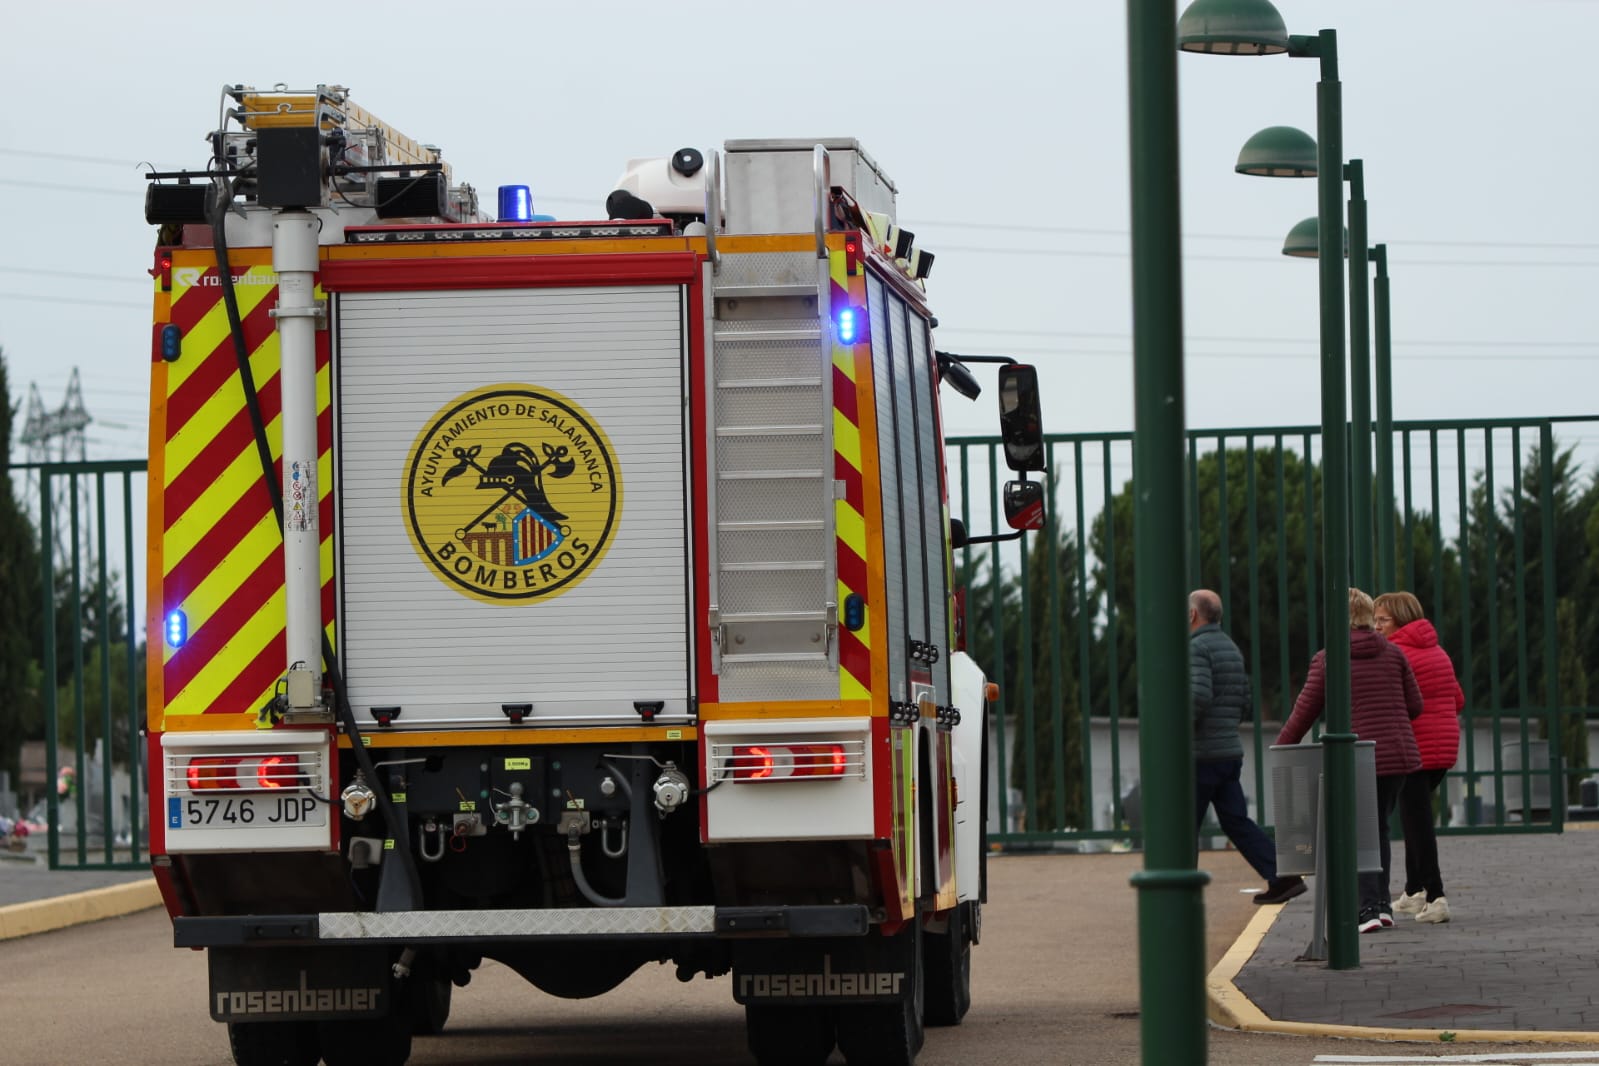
x=1398 y=616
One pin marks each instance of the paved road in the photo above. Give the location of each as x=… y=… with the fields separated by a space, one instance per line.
x=1055 y=982
x=1521 y=953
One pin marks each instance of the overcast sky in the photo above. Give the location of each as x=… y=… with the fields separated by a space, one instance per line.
x=1003 y=124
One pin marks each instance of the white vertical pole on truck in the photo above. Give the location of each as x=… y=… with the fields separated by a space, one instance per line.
x=294 y=260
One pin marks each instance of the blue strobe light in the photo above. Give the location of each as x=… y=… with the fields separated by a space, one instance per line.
x=177 y=628
x=848 y=323
x=516 y=203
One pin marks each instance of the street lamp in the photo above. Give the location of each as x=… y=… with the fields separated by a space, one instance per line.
x=1303 y=241
x=1385 y=425
x=1171 y=904
x=1253 y=27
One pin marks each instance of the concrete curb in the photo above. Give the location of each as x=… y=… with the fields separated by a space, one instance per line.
x=45 y=915
x=1228 y=1007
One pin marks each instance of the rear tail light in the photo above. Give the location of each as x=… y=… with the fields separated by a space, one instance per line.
x=273 y=771
x=212 y=772
x=773 y=762
x=243 y=773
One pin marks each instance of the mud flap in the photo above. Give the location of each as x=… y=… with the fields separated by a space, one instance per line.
x=868 y=969
x=298 y=984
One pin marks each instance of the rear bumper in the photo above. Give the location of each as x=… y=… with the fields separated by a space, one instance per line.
x=617 y=924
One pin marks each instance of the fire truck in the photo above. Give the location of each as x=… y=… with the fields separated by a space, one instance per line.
x=573 y=594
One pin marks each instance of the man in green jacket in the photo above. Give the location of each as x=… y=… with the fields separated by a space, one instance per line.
x=1219 y=684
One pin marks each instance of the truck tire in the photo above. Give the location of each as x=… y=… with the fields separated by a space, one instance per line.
x=887 y=1034
x=380 y=1042
x=947 y=970
x=429 y=995
x=274 y=1043
x=789 y=1036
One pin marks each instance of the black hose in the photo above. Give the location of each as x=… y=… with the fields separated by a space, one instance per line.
x=217 y=211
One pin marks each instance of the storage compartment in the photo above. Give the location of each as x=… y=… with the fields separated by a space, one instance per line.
x=512 y=534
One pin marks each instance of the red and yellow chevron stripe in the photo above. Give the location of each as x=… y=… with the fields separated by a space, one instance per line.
x=851 y=369
x=216 y=547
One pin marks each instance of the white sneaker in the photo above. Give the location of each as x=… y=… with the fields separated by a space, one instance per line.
x=1435 y=913
x=1409 y=903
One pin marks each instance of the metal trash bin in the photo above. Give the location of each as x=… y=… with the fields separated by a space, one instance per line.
x=1296 y=771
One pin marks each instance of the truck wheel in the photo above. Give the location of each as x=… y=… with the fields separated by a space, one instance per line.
x=789 y=1036
x=429 y=1003
x=948 y=970
x=379 y=1042
x=887 y=1034
x=274 y=1043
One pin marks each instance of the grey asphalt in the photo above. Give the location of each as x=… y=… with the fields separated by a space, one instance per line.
x=1520 y=954
x=1521 y=951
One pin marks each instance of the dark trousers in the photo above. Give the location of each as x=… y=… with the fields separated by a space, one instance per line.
x=1217 y=784
x=1374 y=887
x=1421 y=843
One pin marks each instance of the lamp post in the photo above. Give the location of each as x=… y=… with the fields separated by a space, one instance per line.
x=1171 y=906
x=1385 y=425
x=1303 y=241
x=1254 y=27
x=1359 y=380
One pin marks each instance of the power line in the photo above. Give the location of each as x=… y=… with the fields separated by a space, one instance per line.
x=1300 y=356
x=69 y=158
x=991 y=227
x=1087 y=231
x=74 y=275
x=1083 y=254
x=1259 y=340
x=71 y=300
x=51 y=186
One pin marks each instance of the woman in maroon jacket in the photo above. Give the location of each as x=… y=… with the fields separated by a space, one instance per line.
x=1383 y=698
x=1398 y=616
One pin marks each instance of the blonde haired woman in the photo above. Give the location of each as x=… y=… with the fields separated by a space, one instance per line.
x=1383 y=697
x=1398 y=616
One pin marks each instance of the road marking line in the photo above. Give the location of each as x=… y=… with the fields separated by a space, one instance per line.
x=1503 y=1058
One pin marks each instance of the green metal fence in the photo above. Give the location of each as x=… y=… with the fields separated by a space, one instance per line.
x=93 y=663
x=1489 y=533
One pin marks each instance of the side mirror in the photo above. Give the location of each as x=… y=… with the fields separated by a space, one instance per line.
x=1021 y=424
x=957 y=534
x=1024 y=504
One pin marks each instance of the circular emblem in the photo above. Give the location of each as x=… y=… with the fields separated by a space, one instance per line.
x=511 y=493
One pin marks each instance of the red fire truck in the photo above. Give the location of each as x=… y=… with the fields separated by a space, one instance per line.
x=572 y=594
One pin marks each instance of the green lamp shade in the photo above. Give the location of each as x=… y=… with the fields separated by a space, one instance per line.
x=1232 y=27
x=1304 y=240
x=1278 y=152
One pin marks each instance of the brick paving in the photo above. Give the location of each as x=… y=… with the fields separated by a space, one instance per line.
x=27 y=876
x=1520 y=952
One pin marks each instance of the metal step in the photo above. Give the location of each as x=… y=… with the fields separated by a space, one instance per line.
x=811 y=474
x=776 y=616
x=776 y=566
x=769 y=526
x=747 y=292
x=735 y=656
x=768 y=383
x=728 y=337
x=806 y=429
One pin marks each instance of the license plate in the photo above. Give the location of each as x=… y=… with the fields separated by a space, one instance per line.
x=245 y=812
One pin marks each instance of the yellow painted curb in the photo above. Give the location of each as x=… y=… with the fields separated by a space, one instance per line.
x=44 y=915
x=1228 y=1007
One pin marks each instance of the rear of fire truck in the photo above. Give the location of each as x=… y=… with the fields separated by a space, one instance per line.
x=573 y=594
